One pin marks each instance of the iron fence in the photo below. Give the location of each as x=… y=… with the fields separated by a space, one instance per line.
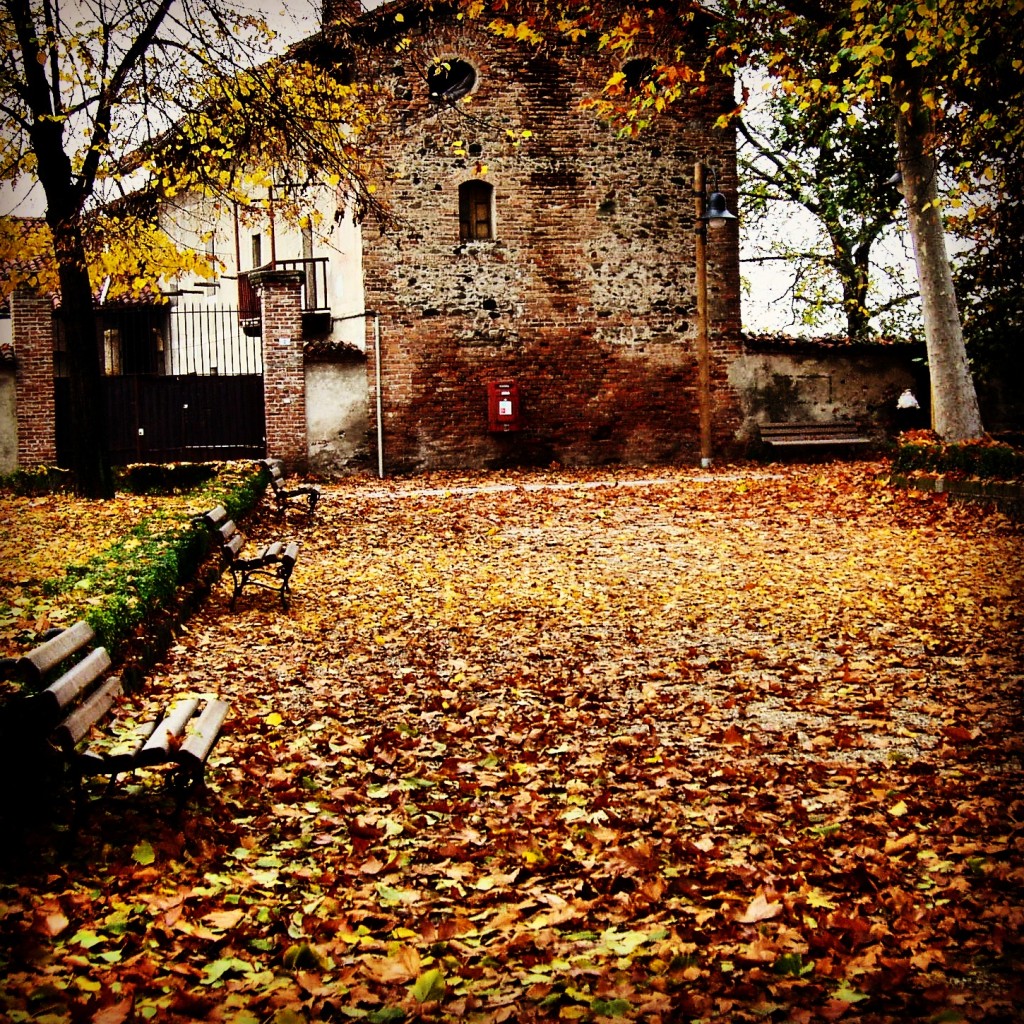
x=168 y=341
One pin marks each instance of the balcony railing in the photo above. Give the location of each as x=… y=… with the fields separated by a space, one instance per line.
x=314 y=288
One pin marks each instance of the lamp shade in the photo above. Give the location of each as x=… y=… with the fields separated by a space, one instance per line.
x=718 y=212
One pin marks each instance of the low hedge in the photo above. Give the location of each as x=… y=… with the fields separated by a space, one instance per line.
x=138 y=478
x=142 y=570
x=922 y=451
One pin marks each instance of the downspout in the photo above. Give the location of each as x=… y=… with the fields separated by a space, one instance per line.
x=272 y=226
x=380 y=398
x=377 y=378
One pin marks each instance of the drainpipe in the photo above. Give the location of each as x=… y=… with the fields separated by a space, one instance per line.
x=376 y=381
x=380 y=398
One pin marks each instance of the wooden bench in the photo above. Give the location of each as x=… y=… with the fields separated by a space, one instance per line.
x=271 y=567
x=81 y=718
x=793 y=435
x=283 y=494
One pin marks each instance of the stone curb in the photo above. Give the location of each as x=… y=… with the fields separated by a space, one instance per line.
x=1007 y=495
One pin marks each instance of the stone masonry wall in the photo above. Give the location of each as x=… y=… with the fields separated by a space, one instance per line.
x=585 y=296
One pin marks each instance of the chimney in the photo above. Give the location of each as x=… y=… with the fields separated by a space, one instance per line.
x=343 y=12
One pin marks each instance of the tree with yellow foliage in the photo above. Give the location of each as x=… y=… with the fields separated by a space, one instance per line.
x=110 y=106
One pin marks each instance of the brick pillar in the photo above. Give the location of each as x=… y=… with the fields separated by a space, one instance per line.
x=284 y=370
x=32 y=334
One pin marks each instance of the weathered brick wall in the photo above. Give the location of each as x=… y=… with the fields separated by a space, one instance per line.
x=32 y=334
x=586 y=295
x=284 y=375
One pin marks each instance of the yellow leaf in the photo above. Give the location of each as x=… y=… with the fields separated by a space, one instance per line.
x=898 y=810
x=273 y=718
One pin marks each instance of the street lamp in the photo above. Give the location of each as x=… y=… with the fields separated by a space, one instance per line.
x=712 y=211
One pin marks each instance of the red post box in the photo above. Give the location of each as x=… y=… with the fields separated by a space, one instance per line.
x=503 y=406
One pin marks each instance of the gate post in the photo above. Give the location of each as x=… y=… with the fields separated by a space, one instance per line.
x=284 y=368
x=32 y=334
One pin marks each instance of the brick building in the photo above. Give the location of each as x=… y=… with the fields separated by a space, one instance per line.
x=533 y=247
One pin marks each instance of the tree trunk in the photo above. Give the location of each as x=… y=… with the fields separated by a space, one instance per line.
x=955 y=412
x=90 y=455
x=65 y=195
x=855 y=294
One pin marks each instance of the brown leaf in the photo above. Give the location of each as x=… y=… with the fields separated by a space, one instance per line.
x=115 y=1014
x=404 y=965
x=222 y=920
x=760 y=910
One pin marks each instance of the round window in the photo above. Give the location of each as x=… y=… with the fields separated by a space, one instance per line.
x=450 y=80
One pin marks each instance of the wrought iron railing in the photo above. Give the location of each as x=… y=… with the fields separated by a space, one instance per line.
x=314 y=287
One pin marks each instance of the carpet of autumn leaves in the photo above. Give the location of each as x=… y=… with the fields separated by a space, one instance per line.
x=663 y=747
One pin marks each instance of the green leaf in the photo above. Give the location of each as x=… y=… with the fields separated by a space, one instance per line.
x=86 y=939
x=611 y=1008
x=303 y=957
x=623 y=943
x=216 y=970
x=429 y=986
x=286 y=1016
x=848 y=995
x=143 y=853
x=386 y=1015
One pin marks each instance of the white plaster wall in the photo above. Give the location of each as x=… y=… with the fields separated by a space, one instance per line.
x=190 y=220
x=8 y=422
x=336 y=415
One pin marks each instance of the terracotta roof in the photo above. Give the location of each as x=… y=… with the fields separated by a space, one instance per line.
x=321 y=351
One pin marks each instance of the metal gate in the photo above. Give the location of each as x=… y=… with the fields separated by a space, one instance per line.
x=179 y=385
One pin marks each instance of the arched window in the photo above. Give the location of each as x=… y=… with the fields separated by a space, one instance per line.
x=638 y=72
x=476 y=210
x=450 y=80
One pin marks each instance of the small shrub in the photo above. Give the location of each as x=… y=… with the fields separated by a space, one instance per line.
x=37 y=481
x=142 y=570
x=150 y=478
x=922 y=452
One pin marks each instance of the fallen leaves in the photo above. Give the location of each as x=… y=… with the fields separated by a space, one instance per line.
x=578 y=747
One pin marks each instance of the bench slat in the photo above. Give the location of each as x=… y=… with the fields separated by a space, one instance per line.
x=34 y=665
x=838 y=439
x=75 y=682
x=202 y=735
x=216 y=517
x=112 y=758
x=793 y=434
x=157 y=748
x=70 y=732
x=272 y=552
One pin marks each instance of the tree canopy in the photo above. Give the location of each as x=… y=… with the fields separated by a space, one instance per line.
x=817 y=161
